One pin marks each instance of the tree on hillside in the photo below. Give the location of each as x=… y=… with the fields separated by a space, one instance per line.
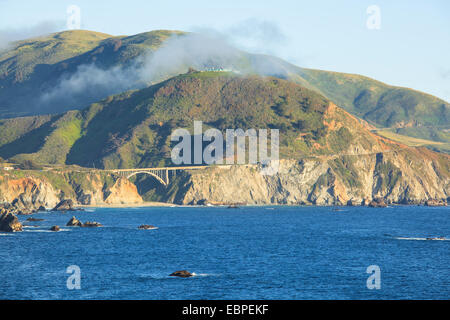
x=29 y=165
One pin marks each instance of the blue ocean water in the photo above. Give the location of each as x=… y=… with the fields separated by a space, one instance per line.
x=245 y=253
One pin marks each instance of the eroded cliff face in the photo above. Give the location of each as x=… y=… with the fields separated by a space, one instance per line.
x=27 y=190
x=123 y=192
x=407 y=176
x=398 y=175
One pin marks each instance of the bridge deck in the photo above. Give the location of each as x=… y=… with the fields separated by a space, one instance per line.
x=164 y=168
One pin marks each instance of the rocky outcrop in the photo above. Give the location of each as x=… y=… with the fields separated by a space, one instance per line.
x=74 y=222
x=9 y=222
x=378 y=203
x=409 y=176
x=64 y=205
x=435 y=203
x=34 y=219
x=181 y=274
x=93 y=224
x=147 y=227
x=40 y=190
x=28 y=194
x=354 y=203
x=202 y=202
x=123 y=192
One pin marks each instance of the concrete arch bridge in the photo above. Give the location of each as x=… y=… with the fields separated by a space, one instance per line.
x=163 y=175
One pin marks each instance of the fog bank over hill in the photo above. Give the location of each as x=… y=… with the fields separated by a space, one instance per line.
x=176 y=55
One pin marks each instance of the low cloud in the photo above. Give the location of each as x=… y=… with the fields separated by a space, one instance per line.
x=192 y=50
x=257 y=36
x=9 y=36
x=175 y=56
x=251 y=35
x=445 y=74
x=88 y=84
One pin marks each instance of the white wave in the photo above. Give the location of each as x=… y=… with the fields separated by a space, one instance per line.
x=422 y=239
x=61 y=230
x=6 y=234
x=156 y=276
x=202 y=274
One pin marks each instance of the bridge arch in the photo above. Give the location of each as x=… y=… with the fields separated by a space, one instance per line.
x=149 y=173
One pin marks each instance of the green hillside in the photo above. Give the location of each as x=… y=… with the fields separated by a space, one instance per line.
x=377 y=102
x=405 y=111
x=133 y=129
x=34 y=67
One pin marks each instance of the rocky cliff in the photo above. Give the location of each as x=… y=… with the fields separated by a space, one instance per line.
x=406 y=177
x=29 y=190
x=122 y=192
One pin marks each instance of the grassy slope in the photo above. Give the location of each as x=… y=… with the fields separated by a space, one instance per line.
x=408 y=111
x=19 y=62
x=375 y=101
x=384 y=105
x=36 y=65
x=414 y=142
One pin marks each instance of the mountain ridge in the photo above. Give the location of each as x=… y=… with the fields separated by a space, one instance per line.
x=403 y=111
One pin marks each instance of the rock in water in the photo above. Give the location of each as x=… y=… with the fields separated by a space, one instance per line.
x=74 y=222
x=55 y=228
x=354 y=203
x=9 y=222
x=181 y=274
x=34 y=219
x=91 y=224
x=64 y=205
x=203 y=202
x=435 y=203
x=377 y=203
x=147 y=227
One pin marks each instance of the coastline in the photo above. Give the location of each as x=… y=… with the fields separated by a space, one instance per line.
x=165 y=204
x=129 y=205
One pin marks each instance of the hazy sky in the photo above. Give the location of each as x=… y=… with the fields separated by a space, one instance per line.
x=411 y=48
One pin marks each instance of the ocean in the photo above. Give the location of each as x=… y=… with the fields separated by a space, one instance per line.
x=268 y=252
